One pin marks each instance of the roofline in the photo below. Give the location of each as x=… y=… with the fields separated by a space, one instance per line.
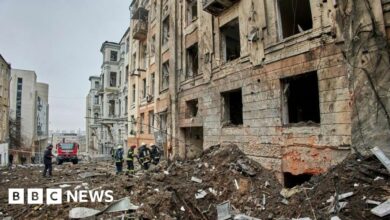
x=108 y=42
x=127 y=31
x=94 y=77
x=8 y=64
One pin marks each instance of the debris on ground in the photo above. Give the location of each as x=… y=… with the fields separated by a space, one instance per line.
x=223 y=183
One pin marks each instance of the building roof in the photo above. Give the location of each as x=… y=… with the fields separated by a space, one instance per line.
x=94 y=77
x=124 y=35
x=109 y=43
x=9 y=65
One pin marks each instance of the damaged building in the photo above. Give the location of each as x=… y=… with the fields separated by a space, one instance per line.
x=291 y=82
x=297 y=84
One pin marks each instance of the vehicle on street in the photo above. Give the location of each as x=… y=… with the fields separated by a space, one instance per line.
x=67 y=152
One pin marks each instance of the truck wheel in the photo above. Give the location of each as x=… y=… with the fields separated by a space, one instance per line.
x=75 y=161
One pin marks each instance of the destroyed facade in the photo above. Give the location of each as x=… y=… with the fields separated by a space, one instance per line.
x=296 y=86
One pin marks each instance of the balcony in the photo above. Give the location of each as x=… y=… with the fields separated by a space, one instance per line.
x=216 y=7
x=140 y=30
x=139 y=13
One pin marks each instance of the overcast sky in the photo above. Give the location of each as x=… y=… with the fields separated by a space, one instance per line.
x=60 y=40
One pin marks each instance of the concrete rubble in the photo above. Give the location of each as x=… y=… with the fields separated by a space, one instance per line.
x=224 y=192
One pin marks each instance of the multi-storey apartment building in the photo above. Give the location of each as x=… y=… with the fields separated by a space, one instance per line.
x=29 y=113
x=275 y=77
x=107 y=102
x=5 y=77
x=153 y=58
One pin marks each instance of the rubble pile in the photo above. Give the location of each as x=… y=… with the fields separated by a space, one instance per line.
x=222 y=184
x=193 y=189
x=363 y=181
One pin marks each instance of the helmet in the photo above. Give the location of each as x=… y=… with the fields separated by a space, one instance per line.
x=50 y=146
x=119 y=147
x=133 y=146
x=143 y=143
x=151 y=144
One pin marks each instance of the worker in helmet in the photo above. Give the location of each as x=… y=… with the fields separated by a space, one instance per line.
x=155 y=153
x=129 y=159
x=119 y=159
x=144 y=156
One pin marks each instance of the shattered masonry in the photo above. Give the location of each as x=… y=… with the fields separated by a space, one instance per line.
x=297 y=97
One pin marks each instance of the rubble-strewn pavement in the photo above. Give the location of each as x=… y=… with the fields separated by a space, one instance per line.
x=193 y=189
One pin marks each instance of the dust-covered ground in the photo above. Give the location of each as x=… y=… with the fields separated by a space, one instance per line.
x=222 y=173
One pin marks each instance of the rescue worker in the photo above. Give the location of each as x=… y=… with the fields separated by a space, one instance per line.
x=129 y=160
x=47 y=160
x=10 y=161
x=119 y=159
x=144 y=156
x=155 y=153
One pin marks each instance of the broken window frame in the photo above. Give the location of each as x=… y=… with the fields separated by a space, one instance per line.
x=111 y=108
x=281 y=33
x=286 y=84
x=192 y=108
x=113 y=79
x=226 y=109
x=192 y=66
x=152 y=84
x=150 y=121
x=113 y=55
x=144 y=88
x=225 y=55
x=165 y=31
x=191 y=11
x=164 y=82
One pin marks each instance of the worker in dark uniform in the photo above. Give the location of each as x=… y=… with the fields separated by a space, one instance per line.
x=47 y=160
x=130 y=160
x=144 y=156
x=10 y=161
x=155 y=154
x=119 y=159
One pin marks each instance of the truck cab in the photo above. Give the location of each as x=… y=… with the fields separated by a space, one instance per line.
x=67 y=152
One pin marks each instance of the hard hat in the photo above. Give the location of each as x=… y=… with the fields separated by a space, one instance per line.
x=143 y=143
x=120 y=147
x=133 y=146
x=151 y=144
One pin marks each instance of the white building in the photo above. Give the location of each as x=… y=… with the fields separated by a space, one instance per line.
x=29 y=111
x=93 y=113
x=107 y=124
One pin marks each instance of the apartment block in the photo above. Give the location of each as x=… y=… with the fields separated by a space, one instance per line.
x=153 y=57
x=107 y=101
x=29 y=115
x=5 y=77
x=288 y=81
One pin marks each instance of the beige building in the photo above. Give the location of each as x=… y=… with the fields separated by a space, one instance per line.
x=5 y=77
x=293 y=86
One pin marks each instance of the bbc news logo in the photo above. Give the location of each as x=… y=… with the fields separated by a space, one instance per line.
x=35 y=196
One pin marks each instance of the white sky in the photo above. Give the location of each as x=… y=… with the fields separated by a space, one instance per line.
x=60 y=40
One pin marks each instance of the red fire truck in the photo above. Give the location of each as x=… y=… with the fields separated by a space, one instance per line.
x=67 y=152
